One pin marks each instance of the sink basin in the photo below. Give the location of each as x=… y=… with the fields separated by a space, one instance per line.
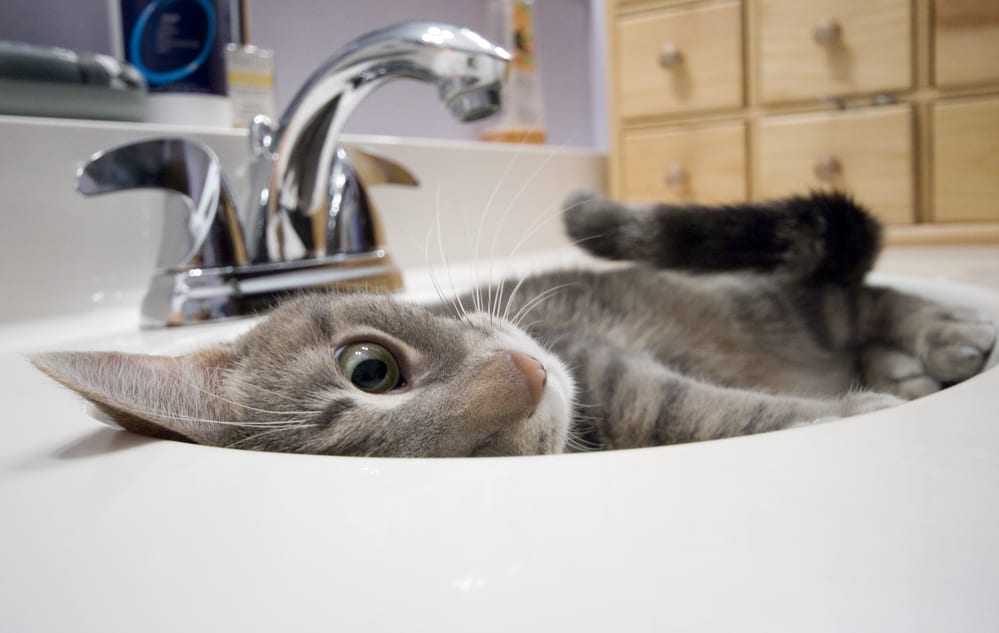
x=837 y=522
x=880 y=522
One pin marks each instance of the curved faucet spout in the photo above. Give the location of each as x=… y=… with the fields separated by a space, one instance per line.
x=291 y=187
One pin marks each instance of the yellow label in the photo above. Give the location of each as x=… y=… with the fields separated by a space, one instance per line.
x=249 y=79
x=523 y=36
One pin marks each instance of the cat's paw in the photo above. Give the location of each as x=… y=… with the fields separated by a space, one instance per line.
x=581 y=201
x=893 y=371
x=953 y=343
x=595 y=222
x=858 y=402
x=949 y=344
x=853 y=403
x=586 y=214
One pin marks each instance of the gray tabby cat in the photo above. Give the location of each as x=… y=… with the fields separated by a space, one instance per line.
x=734 y=320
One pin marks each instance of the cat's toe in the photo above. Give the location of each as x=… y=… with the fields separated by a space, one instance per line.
x=955 y=362
x=892 y=371
x=956 y=345
x=912 y=387
x=860 y=402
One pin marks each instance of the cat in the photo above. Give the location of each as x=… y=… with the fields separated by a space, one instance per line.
x=727 y=321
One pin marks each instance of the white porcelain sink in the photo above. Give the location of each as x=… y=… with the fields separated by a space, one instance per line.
x=883 y=522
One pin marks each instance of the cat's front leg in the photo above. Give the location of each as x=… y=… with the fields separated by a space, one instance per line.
x=914 y=346
x=629 y=400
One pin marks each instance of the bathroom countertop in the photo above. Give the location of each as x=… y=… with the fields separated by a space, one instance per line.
x=976 y=264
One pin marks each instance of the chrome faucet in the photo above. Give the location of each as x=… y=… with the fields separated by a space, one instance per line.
x=309 y=222
x=295 y=176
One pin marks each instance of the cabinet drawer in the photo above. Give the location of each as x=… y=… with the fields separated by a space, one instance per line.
x=868 y=153
x=822 y=48
x=966 y=41
x=680 y=60
x=966 y=161
x=690 y=164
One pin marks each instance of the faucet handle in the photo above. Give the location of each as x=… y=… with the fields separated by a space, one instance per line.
x=374 y=170
x=353 y=224
x=213 y=235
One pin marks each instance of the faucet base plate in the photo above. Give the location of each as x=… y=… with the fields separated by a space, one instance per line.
x=197 y=295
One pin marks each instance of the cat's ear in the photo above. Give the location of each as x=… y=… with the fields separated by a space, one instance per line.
x=163 y=396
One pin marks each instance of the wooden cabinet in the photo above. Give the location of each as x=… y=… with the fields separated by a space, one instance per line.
x=966 y=160
x=867 y=154
x=680 y=60
x=966 y=41
x=704 y=163
x=893 y=101
x=832 y=48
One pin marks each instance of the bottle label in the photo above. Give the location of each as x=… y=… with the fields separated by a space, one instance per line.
x=178 y=45
x=251 y=83
x=523 y=36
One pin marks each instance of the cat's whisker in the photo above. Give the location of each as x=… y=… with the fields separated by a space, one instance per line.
x=433 y=276
x=513 y=293
x=482 y=221
x=527 y=326
x=575 y=446
x=430 y=267
x=255 y=436
x=469 y=239
x=556 y=213
x=216 y=396
x=248 y=386
x=531 y=232
x=520 y=151
x=577 y=442
x=491 y=301
x=179 y=417
x=571 y=367
x=580 y=445
x=533 y=303
x=291 y=424
x=558 y=151
x=456 y=299
x=550 y=342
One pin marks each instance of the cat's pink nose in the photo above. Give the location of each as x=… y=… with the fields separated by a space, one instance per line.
x=534 y=372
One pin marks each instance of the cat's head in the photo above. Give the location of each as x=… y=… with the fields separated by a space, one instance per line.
x=344 y=374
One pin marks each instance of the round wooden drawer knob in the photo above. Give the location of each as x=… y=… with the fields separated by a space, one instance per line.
x=828 y=168
x=676 y=177
x=828 y=32
x=670 y=56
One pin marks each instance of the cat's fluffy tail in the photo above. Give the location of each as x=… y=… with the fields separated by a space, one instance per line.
x=822 y=237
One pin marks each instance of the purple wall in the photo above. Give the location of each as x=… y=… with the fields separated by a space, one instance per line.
x=304 y=32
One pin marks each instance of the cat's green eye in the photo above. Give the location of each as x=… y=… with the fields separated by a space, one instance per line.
x=370 y=367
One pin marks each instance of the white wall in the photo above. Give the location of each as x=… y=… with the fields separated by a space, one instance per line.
x=304 y=32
